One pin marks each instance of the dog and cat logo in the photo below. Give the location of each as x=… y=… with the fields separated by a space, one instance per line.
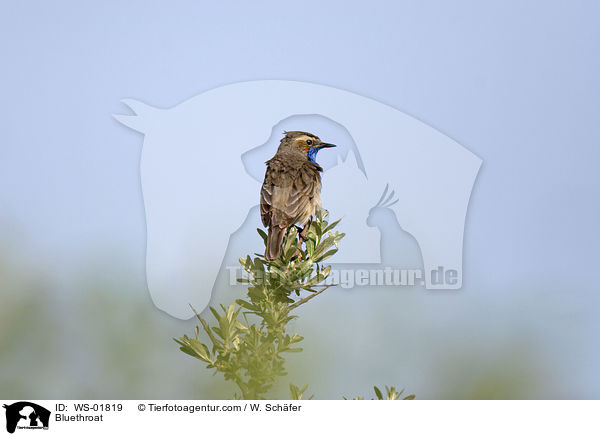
x=26 y=415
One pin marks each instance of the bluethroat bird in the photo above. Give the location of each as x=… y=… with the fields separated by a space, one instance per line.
x=291 y=191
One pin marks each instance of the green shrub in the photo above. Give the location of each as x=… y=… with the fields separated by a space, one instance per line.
x=249 y=339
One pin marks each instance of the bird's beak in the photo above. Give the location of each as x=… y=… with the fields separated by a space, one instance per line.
x=326 y=145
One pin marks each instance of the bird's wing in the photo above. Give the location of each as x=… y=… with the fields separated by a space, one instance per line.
x=287 y=193
x=266 y=194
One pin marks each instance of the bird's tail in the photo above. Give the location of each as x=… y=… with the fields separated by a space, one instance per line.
x=274 y=242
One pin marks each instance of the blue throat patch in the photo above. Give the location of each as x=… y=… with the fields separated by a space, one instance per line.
x=312 y=154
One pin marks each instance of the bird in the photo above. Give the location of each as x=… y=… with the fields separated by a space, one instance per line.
x=291 y=190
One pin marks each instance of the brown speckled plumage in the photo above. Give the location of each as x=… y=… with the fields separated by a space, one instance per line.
x=291 y=191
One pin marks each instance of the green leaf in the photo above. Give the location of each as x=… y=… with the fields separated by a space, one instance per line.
x=296 y=392
x=327 y=255
x=263 y=235
x=231 y=312
x=246 y=305
x=378 y=393
x=215 y=313
x=331 y=226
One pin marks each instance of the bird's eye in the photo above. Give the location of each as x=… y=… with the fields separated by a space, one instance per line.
x=309 y=142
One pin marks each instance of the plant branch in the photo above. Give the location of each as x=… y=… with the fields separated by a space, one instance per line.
x=306 y=299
